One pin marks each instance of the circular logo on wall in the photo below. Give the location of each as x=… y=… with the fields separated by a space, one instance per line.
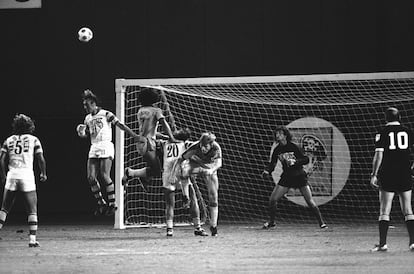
x=329 y=159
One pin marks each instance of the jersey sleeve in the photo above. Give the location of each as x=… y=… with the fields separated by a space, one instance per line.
x=37 y=146
x=111 y=118
x=379 y=142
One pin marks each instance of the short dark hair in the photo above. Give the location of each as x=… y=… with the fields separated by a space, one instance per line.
x=182 y=134
x=285 y=131
x=148 y=96
x=392 y=114
x=89 y=95
x=23 y=124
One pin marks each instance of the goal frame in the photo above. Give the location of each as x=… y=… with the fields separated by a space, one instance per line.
x=120 y=89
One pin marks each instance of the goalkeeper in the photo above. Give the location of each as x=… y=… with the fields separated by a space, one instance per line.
x=204 y=158
x=293 y=175
x=171 y=153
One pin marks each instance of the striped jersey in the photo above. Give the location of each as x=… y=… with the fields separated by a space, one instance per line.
x=21 y=150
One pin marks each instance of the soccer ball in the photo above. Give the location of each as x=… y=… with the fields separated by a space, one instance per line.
x=85 y=34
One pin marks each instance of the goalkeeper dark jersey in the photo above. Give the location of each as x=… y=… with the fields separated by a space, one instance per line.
x=396 y=142
x=288 y=151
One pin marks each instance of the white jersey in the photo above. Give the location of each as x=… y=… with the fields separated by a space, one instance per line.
x=100 y=126
x=21 y=150
x=172 y=151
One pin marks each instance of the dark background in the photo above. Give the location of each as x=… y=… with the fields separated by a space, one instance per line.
x=44 y=68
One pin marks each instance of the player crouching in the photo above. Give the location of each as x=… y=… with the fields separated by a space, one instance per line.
x=204 y=158
x=172 y=151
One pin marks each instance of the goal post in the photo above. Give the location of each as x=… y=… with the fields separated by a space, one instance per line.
x=333 y=117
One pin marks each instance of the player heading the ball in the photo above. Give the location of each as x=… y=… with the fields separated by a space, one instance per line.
x=98 y=125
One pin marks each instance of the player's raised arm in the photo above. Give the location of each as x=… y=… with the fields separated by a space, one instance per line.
x=167 y=128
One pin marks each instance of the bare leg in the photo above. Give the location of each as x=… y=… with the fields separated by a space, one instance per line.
x=406 y=208
x=31 y=204
x=8 y=200
x=307 y=194
x=277 y=193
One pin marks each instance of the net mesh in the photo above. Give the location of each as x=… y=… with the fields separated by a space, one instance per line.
x=334 y=121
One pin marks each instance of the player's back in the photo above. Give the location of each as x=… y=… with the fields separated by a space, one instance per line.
x=173 y=151
x=148 y=120
x=21 y=150
x=396 y=142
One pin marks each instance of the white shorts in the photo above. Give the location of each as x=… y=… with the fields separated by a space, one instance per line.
x=102 y=150
x=166 y=182
x=24 y=184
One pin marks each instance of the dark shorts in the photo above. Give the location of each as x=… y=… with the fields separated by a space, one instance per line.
x=294 y=182
x=396 y=183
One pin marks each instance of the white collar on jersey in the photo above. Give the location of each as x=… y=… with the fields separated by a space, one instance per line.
x=394 y=123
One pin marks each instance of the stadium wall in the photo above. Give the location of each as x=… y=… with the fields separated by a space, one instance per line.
x=44 y=67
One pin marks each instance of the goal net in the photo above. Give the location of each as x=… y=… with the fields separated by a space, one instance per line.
x=332 y=117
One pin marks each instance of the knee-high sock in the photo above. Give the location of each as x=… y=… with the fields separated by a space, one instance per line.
x=96 y=191
x=3 y=216
x=213 y=215
x=383 y=224
x=110 y=191
x=32 y=221
x=409 y=221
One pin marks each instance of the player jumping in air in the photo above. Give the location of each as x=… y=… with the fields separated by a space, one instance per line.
x=293 y=175
x=391 y=173
x=171 y=153
x=98 y=124
x=17 y=155
x=204 y=158
x=149 y=117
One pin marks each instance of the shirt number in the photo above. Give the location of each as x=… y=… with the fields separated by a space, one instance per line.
x=172 y=150
x=400 y=141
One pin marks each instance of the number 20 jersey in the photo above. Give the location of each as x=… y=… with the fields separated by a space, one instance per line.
x=396 y=142
x=21 y=150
